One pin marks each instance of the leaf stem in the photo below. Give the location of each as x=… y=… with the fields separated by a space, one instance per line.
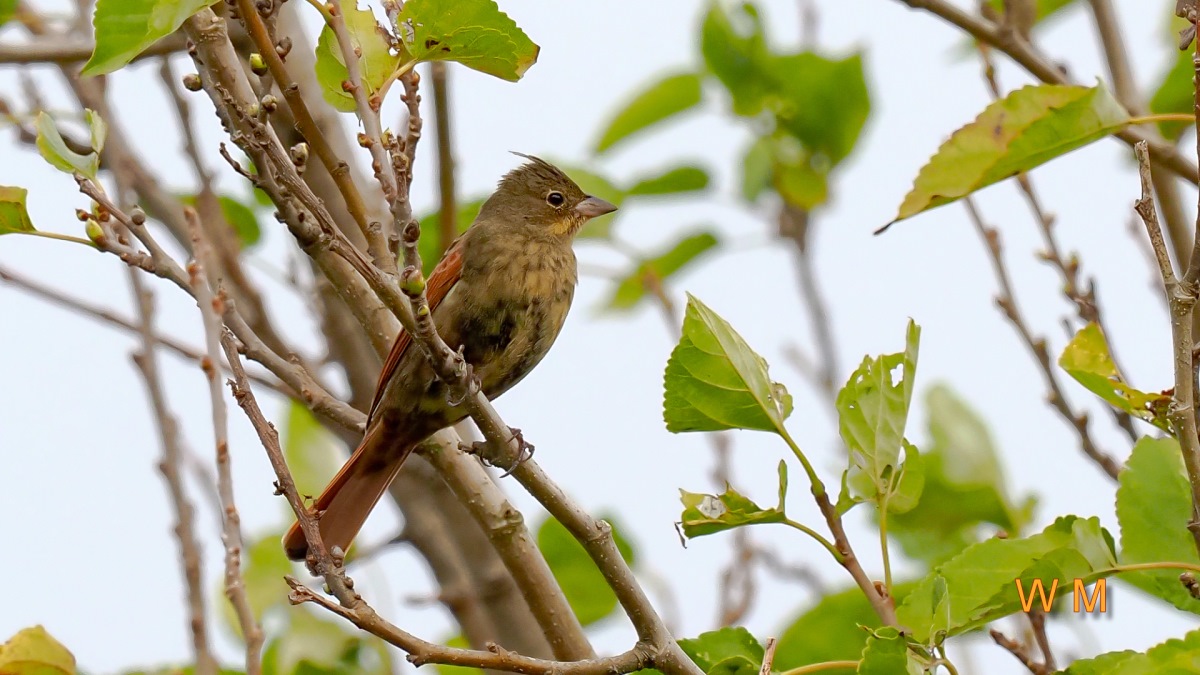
x=1164 y=117
x=1159 y=565
x=818 y=487
x=883 y=542
x=822 y=667
x=816 y=535
x=59 y=237
x=396 y=74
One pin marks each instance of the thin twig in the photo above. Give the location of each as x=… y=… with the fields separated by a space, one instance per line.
x=1007 y=302
x=1037 y=620
x=231 y=535
x=1020 y=652
x=172 y=458
x=1182 y=298
x=448 y=211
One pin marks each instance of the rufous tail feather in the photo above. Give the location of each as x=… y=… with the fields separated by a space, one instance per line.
x=349 y=498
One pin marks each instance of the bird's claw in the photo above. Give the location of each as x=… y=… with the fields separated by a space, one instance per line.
x=484 y=452
x=473 y=386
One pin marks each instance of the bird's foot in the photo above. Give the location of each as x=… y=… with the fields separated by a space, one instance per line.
x=484 y=452
x=472 y=387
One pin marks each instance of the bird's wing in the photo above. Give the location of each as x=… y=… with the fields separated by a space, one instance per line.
x=444 y=276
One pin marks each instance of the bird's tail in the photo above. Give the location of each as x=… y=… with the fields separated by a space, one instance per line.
x=352 y=494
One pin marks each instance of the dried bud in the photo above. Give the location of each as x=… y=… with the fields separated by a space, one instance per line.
x=95 y=233
x=258 y=65
x=82 y=216
x=192 y=82
x=412 y=231
x=412 y=282
x=365 y=140
x=283 y=47
x=138 y=216
x=270 y=103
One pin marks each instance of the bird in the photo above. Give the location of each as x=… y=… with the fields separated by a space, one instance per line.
x=500 y=293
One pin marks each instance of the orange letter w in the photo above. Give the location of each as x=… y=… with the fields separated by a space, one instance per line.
x=1036 y=588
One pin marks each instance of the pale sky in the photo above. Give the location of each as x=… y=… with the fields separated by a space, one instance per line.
x=86 y=516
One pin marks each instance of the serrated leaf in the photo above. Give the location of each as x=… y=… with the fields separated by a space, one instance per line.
x=474 y=33
x=964 y=485
x=713 y=647
x=735 y=50
x=715 y=381
x=1173 y=657
x=32 y=651
x=633 y=288
x=376 y=61
x=872 y=413
x=837 y=618
x=582 y=583
x=663 y=99
x=886 y=653
x=980 y=580
x=55 y=150
x=1020 y=132
x=125 y=28
x=708 y=514
x=1086 y=358
x=822 y=102
x=1154 y=507
x=674 y=181
x=14 y=217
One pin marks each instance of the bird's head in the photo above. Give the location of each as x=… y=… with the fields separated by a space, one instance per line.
x=538 y=194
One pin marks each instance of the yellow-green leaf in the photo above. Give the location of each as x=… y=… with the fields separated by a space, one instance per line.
x=1086 y=358
x=125 y=28
x=707 y=514
x=474 y=33
x=662 y=100
x=32 y=651
x=376 y=61
x=13 y=214
x=715 y=381
x=55 y=150
x=1024 y=130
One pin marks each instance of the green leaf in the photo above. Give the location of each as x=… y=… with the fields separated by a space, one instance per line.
x=13 y=215
x=822 y=102
x=1175 y=94
x=673 y=181
x=1086 y=358
x=8 y=9
x=376 y=61
x=831 y=630
x=715 y=381
x=588 y=594
x=980 y=580
x=458 y=642
x=911 y=483
x=32 y=651
x=708 y=514
x=125 y=28
x=735 y=50
x=313 y=453
x=431 y=225
x=886 y=653
x=239 y=216
x=314 y=645
x=1173 y=657
x=1154 y=506
x=1020 y=132
x=660 y=101
x=474 y=33
x=872 y=413
x=633 y=288
x=55 y=150
x=714 y=647
x=795 y=178
x=964 y=485
x=264 y=565
x=756 y=168
x=1045 y=8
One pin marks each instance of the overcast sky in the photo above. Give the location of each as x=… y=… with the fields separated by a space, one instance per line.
x=86 y=521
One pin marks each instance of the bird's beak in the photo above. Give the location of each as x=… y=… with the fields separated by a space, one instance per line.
x=593 y=206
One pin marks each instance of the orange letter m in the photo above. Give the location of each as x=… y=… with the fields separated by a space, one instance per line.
x=1036 y=588
x=1089 y=603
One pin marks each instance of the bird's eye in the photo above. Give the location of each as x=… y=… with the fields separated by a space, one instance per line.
x=555 y=199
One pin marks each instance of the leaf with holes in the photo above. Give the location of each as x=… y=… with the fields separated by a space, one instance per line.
x=474 y=33
x=376 y=61
x=1087 y=359
x=708 y=514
